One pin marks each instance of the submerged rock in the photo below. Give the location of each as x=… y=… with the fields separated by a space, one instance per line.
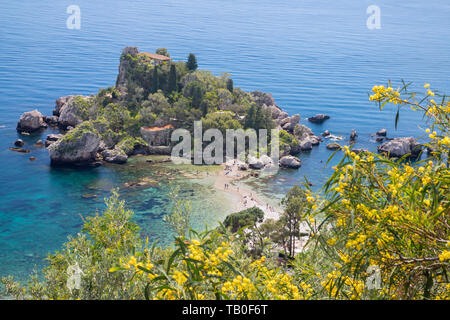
x=31 y=121
x=19 y=150
x=290 y=162
x=19 y=143
x=319 y=118
x=399 y=147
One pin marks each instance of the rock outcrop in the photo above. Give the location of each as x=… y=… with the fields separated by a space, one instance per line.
x=31 y=121
x=319 y=118
x=289 y=123
x=73 y=111
x=114 y=156
x=399 y=147
x=124 y=66
x=290 y=162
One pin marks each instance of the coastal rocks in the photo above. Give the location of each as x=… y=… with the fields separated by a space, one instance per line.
x=333 y=146
x=77 y=147
x=266 y=160
x=19 y=143
x=306 y=144
x=289 y=123
x=51 y=121
x=290 y=162
x=306 y=137
x=399 y=147
x=124 y=66
x=326 y=133
x=353 y=135
x=263 y=98
x=381 y=133
x=242 y=166
x=319 y=118
x=114 y=156
x=73 y=111
x=275 y=111
x=31 y=121
x=51 y=138
x=255 y=163
x=59 y=103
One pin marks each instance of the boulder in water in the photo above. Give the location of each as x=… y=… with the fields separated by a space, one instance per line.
x=31 y=121
x=290 y=162
x=399 y=147
x=319 y=118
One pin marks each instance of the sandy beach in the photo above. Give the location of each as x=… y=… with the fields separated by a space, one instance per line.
x=227 y=181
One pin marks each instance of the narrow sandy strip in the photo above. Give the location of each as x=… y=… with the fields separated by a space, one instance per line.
x=226 y=181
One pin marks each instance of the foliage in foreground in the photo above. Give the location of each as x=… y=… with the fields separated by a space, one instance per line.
x=374 y=218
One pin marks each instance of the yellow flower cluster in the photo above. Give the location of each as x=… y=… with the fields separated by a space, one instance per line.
x=239 y=287
x=388 y=93
x=445 y=255
x=179 y=277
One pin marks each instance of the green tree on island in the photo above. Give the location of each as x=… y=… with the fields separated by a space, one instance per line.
x=172 y=85
x=230 y=85
x=155 y=80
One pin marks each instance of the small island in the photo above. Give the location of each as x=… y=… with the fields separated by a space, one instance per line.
x=153 y=96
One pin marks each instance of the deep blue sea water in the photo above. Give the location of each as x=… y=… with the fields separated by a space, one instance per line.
x=313 y=56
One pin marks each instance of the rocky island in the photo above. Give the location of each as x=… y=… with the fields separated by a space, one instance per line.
x=154 y=95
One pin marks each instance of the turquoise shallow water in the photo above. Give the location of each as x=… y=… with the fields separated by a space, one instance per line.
x=314 y=56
